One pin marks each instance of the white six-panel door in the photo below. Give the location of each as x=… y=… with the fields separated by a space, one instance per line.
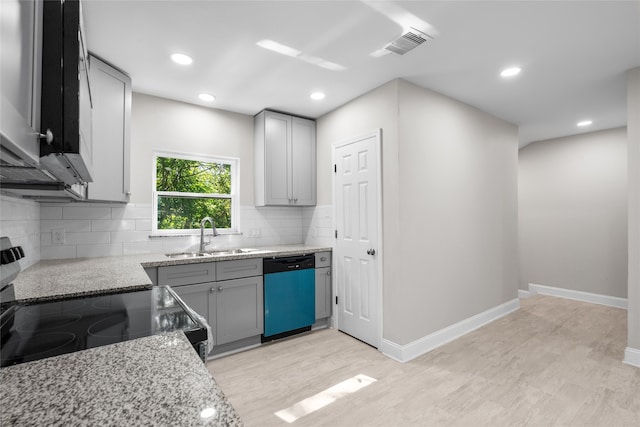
x=356 y=199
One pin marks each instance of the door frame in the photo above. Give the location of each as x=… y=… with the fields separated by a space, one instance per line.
x=377 y=134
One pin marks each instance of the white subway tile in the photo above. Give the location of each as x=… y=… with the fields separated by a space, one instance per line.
x=86 y=238
x=51 y=212
x=129 y=236
x=68 y=225
x=131 y=212
x=143 y=225
x=150 y=247
x=82 y=212
x=93 y=251
x=45 y=239
x=113 y=225
x=58 y=252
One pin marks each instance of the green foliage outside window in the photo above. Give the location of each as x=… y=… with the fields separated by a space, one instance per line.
x=204 y=185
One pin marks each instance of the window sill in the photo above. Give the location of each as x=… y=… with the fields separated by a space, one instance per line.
x=206 y=234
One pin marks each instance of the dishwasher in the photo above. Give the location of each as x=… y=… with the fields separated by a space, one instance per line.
x=289 y=295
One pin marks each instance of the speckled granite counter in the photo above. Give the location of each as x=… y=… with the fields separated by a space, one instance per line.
x=88 y=276
x=82 y=276
x=158 y=380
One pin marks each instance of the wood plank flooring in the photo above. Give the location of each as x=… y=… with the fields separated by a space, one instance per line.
x=554 y=362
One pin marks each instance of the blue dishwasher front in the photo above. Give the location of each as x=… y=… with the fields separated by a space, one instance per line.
x=289 y=295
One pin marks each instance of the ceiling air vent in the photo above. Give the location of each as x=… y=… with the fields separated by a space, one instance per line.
x=407 y=41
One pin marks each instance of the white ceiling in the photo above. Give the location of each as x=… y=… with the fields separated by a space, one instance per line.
x=573 y=54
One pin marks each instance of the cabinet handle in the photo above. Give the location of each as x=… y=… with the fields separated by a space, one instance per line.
x=324 y=258
x=128 y=193
x=212 y=290
x=328 y=273
x=48 y=136
x=295 y=200
x=219 y=288
x=371 y=252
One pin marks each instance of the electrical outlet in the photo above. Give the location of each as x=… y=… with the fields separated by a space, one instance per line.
x=57 y=236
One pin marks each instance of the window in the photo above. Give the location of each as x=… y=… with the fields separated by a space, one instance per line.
x=188 y=188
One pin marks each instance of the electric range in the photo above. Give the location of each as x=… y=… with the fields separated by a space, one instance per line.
x=37 y=330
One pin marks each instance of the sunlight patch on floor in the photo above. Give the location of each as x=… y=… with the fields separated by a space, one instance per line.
x=324 y=398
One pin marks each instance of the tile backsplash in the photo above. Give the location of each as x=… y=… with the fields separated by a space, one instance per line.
x=74 y=230
x=20 y=221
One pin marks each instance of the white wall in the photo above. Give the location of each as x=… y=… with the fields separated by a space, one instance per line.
x=163 y=124
x=633 y=149
x=449 y=204
x=573 y=213
x=458 y=212
x=20 y=221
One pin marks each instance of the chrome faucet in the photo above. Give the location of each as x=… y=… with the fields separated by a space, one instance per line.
x=202 y=223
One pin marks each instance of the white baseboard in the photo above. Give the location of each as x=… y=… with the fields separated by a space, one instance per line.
x=523 y=294
x=632 y=357
x=578 y=295
x=405 y=353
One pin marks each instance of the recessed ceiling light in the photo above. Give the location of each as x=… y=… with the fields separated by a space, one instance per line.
x=510 y=72
x=317 y=96
x=206 y=97
x=584 y=123
x=181 y=58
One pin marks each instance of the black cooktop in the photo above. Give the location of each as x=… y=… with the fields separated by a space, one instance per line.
x=40 y=330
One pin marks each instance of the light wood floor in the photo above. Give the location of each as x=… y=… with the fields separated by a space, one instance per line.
x=553 y=362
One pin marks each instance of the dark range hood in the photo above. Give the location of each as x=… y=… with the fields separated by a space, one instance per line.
x=66 y=152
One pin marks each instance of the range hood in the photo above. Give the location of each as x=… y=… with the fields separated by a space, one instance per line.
x=20 y=178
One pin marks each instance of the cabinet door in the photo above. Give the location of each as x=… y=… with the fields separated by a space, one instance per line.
x=239 y=309
x=277 y=153
x=111 y=93
x=323 y=292
x=202 y=299
x=303 y=149
x=20 y=52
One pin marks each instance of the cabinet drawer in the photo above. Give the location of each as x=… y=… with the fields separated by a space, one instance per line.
x=188 y=274
x=236 y=269
x=323 y=259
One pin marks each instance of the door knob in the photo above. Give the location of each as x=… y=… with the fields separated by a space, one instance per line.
x=371 y=252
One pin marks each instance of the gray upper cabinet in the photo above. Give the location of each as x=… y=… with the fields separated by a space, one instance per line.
x=285 y=160
x=20 y=54
x=111 y=92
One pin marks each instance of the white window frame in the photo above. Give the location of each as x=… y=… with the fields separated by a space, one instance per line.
x=234 y=196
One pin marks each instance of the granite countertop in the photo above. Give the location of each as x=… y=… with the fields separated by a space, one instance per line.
x=54 y=279
x=158 y=380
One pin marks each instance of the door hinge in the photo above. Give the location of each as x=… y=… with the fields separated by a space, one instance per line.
x=335 y=168
x=336 y=234
x=336 y=299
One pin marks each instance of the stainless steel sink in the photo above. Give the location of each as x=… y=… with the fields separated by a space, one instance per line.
x=232 y=251
x=185 y=255
x=213 y=253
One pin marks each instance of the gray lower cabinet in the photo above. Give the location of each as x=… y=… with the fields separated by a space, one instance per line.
x=239 y=309
x=232 y=305
x=323 y=292
x=201 y=298
x=323 y=285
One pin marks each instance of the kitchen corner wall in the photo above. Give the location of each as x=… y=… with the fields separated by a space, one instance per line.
x=20 y=221
x=100 y=229
x=449 y=220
